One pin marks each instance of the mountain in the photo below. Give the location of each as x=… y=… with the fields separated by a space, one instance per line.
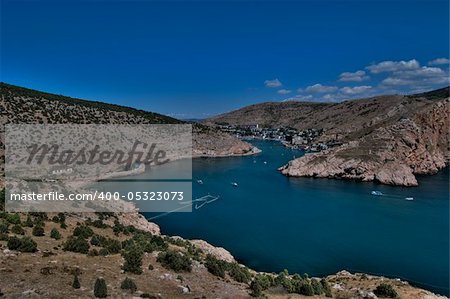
x=20 y=105
x=388 y=139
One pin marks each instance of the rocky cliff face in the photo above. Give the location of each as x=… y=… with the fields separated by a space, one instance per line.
x=392 y=155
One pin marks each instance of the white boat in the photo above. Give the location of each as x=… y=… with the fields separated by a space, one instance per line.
x=234 y=184
x=265 y=162
x=200 y=182
x=376 y=193
x=409 y=198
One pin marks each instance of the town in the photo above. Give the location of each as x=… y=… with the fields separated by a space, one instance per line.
x=306 y=140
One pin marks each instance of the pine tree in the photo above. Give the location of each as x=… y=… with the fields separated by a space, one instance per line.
x=76 y=282
x=100 y=289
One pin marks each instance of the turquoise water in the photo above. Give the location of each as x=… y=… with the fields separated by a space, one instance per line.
x=319 y=226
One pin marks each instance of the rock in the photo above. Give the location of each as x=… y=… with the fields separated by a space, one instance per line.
x=390 y=155
x=218 y=252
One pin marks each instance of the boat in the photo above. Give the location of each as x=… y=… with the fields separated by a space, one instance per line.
x=265 y=162
x=376 y=193
x=409 y=198
x=234 y=184
x=200 y=182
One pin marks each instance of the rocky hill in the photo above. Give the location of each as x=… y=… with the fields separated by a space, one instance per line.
x=123 y=255
x=387 y=139
x=20 y=105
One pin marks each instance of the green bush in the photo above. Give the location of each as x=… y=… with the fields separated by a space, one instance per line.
x=93 y=252
x=239 y=273
x=303 y=287
x=128 y=284
x=76 y=244
x=18 y=230
x=175 y=261
x=326 y=288
x=4 y=227
x=76 y=282
x=317 y=287
x=13 y=218
x=13 y=243
x=150 y=267
x=215 y=266
x=385 y=290
x=83 y=231
x=38 y=231
x=28 y=222
x=26 y=244
x=260 y=283
x=133 y=260
x=54 y=234
x=100 y=288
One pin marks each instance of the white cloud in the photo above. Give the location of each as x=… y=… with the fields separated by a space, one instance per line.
x=284 y=91
x=273 y=83
x=355 y=90
x=299 y=98
x=393 y=66
x=439 y=61
x=357 y=76
x=319 y=88
x=424 y=76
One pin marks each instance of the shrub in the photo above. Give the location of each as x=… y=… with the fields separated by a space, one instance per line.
x=13 y=218
x=133 y=260
x=260 y=284
x=239 y=273
x=100 y=289
x=128 y=284
x=317 y=287
x=303 y=287
x=83 y=231
x=54 y=234
x=38 y=231
x=28 y=222
x=76 y=282
x=385 y=290
x=4 y=227
x=215 y=266
x=175 y=261
x=26 y=244
x=63 y=225
x=150 y=267
x=18 y=230
x=14 y=243
x=76 y=244
x=326 y=288
x=103 y=252
x=95 y=240
x=93 y=252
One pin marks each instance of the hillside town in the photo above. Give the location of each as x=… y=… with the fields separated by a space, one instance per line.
x=306 y=140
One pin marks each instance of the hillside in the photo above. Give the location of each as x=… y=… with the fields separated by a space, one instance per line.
x=20 y=105
x=387 y=139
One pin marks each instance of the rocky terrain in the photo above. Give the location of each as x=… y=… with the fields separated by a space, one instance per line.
x=388 y=139
x=115 y=247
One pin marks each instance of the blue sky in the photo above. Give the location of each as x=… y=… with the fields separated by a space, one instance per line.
x=197 y=59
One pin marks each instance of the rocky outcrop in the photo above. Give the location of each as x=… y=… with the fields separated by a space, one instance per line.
x=218 y=252
x=207 y=142
x=417 y=144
